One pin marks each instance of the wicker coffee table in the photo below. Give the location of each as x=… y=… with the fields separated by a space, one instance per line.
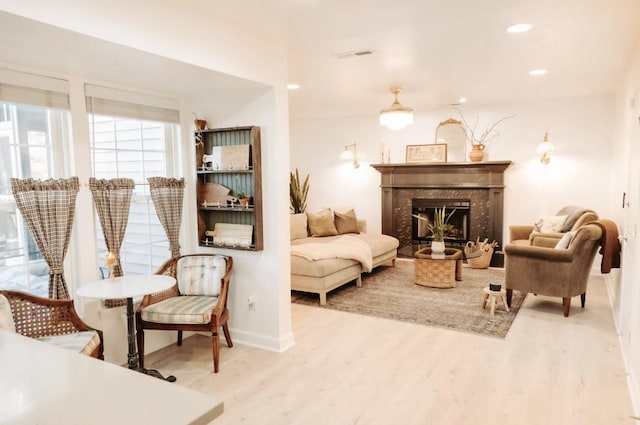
x=437 y=272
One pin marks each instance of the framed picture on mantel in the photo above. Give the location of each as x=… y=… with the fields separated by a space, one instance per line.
x=435 y=152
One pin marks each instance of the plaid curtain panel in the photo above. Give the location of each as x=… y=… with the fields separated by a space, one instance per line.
x=112 y=198
x=167 y=195
x=48 y=208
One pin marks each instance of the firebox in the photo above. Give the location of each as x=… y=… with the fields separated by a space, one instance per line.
x=457 y=232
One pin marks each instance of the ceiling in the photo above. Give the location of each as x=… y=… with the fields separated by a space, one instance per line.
x=439 y=50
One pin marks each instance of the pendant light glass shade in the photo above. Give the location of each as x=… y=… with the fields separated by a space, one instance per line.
x=396 y=116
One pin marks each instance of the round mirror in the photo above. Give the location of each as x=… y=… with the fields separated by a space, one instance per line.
x=452 y=133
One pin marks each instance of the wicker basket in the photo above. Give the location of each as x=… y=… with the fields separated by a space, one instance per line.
x=436 y=273
x=481 y=262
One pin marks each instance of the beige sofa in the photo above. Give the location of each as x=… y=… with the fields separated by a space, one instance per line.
x=325 y=274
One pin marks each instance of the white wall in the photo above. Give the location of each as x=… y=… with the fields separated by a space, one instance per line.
x=580 y=129
x=623 y=284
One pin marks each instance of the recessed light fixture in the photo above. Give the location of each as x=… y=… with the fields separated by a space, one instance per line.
x=519 y=28
x=462 y=100
x=293 y=86
x=538 y=72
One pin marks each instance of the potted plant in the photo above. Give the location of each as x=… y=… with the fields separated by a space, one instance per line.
x=438 y=228
x=244 y=199
x=298 y=193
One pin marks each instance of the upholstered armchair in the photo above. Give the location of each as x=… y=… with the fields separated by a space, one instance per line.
x=49 y=320
x=554 y=272
x=575 y=218
x=197 y=302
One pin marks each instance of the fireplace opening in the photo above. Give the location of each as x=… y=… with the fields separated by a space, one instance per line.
x=456 y=234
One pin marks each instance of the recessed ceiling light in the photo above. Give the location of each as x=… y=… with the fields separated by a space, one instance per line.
x=537 y=72
x=462 y=100
x=293 y=86
x=519 y=28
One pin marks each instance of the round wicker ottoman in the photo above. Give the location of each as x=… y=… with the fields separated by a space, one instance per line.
x=437 y=272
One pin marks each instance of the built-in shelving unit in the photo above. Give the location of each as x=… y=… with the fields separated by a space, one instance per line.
x=219 y=182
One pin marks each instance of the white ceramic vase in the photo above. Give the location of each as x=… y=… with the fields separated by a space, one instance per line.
x=437 y=247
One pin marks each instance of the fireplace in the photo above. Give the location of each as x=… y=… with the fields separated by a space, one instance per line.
x=478 y=187
x=457 y=233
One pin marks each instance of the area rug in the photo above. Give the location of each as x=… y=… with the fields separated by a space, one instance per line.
x=390 y=292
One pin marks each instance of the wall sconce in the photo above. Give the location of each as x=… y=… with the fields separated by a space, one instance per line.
x=349 y=152
x=545 y=148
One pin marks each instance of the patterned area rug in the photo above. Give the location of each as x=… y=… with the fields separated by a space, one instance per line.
x=390 y=292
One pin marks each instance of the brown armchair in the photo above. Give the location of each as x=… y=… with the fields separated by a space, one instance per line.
x=53 y=321
x=553 y=272
x=576 y=217
x=197 y=302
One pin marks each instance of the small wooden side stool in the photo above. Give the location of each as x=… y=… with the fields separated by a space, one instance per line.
x=494 y=297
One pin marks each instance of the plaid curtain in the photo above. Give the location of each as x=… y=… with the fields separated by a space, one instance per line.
x=167 y=194
x=48 y=208
x=112 y=198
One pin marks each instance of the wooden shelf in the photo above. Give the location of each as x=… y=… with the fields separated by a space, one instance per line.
x=247 y=179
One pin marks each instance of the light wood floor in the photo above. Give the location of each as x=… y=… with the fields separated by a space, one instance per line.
x=351 y=369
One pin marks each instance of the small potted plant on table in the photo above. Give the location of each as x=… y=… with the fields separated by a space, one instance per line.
x=438 y=228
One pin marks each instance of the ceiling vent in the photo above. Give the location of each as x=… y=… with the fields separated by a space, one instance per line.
x=354 y=53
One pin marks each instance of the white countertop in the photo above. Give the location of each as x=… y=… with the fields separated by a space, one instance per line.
x=46 y=385
x=125 y=286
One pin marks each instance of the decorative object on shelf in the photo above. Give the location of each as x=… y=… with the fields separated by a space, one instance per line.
x=214 y=193
x=244 y=199
x=233 y=235
x=479 y=253
x=350 y=153
x=200 y=124
x=228 y=157
x=426 y=153
x=477 y=153
x=298 y=193
x=479 y=139
x=451 y=132
x=545 y=148
x=396 y=116
x=438 y=228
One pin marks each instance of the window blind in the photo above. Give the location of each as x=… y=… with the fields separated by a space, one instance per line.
x=31 y=89
x=121 y=103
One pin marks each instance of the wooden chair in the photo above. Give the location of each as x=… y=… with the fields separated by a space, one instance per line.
x=197 y=302
x=55 y=322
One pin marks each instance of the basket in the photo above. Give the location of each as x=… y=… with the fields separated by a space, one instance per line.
x=436 y=273
x=481 y=262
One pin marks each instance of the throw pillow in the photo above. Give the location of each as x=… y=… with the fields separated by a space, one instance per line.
x=564 y=242
x=298 y=226
x=549 y=223
x=200 y=275
x=346 y=222
x=321 y=224
x=6 y=317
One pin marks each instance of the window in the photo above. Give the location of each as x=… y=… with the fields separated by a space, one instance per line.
x=32 y=142
x=137 y=149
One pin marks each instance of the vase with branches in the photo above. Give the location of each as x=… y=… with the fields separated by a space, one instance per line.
x=477 y=138
x=298 y=193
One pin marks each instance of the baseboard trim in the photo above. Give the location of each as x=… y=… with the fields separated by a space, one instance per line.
x=278 y=345
x=634 y=390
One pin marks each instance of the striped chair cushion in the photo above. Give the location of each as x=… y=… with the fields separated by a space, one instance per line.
x=186 y=309
x=200 y=275
x=82 y=342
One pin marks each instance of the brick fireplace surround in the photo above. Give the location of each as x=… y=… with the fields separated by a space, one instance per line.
x=480 y=182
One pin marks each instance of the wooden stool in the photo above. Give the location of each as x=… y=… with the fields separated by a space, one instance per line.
x=493 y=297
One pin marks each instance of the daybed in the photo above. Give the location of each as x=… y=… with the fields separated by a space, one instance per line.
x=330 y=249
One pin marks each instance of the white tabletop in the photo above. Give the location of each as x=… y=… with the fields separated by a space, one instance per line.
x=46 y=385
x=126 y=286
